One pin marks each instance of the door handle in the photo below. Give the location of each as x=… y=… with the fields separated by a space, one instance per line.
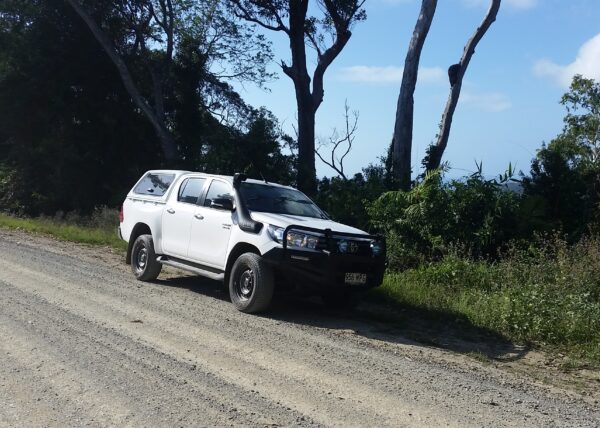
x=199 y=216
x=170 y=210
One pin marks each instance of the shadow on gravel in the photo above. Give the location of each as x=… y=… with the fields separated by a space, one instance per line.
x=376 y=320
x=197 y=284
x=403 y=325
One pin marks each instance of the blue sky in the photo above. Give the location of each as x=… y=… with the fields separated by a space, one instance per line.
x=509 y=103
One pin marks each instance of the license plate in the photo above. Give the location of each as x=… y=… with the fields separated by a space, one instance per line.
x=356 y=278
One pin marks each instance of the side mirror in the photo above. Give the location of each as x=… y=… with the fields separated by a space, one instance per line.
x=222 y=204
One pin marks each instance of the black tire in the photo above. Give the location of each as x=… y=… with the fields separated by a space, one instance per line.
x=143 y=259
x=251 y=284
x=339 y=299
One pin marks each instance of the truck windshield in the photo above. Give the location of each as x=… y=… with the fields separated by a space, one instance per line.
x=278 y=200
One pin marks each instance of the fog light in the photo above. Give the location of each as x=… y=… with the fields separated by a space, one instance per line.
x=343 y=246
x=376 y=248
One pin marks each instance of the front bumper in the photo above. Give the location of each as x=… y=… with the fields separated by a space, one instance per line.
x=327 y=268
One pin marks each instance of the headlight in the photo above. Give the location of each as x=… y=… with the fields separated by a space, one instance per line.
x=294 y=239
x=302 y=240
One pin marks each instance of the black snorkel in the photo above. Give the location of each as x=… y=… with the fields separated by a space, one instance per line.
x=245 y=222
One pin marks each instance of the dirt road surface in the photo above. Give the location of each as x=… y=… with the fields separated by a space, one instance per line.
x=84 y=344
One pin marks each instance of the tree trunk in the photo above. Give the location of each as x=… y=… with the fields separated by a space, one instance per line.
x=433 y=159
x=338 y=20
x=403 y=129
x=169 y=148
x=306 y=144
x=298 y=72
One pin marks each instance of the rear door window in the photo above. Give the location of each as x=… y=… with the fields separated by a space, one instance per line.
x=190 y=190
x=154 y=184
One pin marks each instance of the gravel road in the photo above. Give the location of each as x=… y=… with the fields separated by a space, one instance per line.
x=82 y=343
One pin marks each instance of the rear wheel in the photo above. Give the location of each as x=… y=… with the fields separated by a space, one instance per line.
x=143 y=259
x=251 y=283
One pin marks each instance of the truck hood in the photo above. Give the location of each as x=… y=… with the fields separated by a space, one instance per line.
x=285 y=220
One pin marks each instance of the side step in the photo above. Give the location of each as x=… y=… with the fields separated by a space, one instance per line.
x=192 y=267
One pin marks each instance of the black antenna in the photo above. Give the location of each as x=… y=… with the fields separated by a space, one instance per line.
x=263 y=177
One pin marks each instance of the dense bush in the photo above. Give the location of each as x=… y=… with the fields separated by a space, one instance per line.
x=565 y=174
x=476 y=214
x=346 y=200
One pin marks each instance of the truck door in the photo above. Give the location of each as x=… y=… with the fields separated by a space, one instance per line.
x=177 y=217
x=211 y=228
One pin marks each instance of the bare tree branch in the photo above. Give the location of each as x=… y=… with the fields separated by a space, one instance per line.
x=436 y=151
x=247 y=15
x=335 y=142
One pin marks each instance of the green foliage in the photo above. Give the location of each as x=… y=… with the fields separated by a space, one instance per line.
x=256 y=152
x=565 y=175
x=435 y=216
x=547 y=294
x=345 y=200
x=70 y=136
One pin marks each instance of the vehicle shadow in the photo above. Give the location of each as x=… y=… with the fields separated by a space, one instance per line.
x=196 y=284
x=398 y=324
x=402 y=324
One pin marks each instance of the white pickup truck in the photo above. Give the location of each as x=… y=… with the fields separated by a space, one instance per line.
x=253 y=235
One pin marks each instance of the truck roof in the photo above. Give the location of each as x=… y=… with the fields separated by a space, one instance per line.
x=228 y=178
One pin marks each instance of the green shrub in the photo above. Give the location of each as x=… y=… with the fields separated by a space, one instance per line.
x=426 y=223
x=547 y=294
x=345 y=200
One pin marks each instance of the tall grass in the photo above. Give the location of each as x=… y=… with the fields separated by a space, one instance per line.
x=98 y=229
x=546 y=295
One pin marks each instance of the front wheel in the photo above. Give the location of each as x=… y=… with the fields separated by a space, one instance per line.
x=143 y=259
x=251 y=283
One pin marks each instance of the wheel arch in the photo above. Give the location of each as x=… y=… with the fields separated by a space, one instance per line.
x=138 y=229
x=239 y=249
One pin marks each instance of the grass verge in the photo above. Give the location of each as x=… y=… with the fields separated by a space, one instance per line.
x=85 y=234
x=547 y=296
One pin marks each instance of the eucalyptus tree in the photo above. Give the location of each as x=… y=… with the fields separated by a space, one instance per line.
x=403 y=127
x=456 y=73
x=326 y=32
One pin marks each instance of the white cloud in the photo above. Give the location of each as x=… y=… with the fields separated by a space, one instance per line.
x=389 y=74
x=515 y=4
x=587 y=63
x=492 y=102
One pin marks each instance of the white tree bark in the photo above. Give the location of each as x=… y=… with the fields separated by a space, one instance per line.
x=433 y=159
x=403 y=128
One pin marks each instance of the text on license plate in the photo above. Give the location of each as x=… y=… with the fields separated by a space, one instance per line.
x=356 y=278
